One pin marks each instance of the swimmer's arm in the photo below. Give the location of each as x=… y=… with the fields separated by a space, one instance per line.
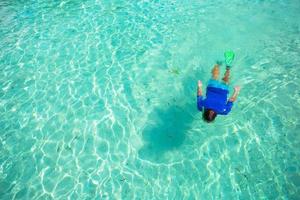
x=199 y=90
x=235 y=94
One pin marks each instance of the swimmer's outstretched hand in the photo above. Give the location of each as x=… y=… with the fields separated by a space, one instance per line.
x=235 y=93
x=199 y=90
x=237 y=88
x=199 y=84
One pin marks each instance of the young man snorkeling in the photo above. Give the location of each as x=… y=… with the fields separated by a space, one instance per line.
x=216 y=101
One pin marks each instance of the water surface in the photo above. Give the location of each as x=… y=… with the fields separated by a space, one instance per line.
x=97 y=100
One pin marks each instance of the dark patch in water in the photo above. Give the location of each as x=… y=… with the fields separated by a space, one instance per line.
x=167 y=133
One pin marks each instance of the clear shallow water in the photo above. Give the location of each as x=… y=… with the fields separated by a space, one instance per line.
x=97 y=100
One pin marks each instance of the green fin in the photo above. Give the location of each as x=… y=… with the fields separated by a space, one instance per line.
x=229 y=56
x=219 y=62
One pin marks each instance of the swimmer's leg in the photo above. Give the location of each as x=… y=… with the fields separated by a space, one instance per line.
x=215 y=72
x=226 y=76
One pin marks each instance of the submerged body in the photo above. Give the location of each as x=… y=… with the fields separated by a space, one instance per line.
x=216 y=101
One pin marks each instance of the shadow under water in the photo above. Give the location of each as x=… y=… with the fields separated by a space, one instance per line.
x=166 y=132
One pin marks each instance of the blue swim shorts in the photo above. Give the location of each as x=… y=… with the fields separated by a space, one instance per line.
x=217 y=84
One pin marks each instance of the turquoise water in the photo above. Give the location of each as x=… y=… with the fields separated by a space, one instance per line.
x=97 y=100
